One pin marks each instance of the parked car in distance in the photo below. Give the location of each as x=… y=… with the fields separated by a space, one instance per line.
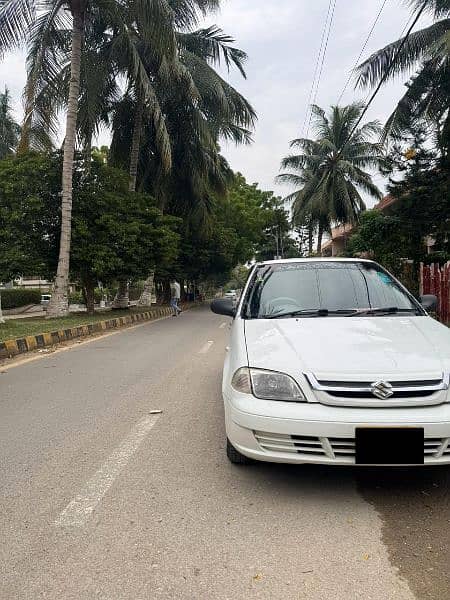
x=45 y=299
x=231 y=294
x=333 y=361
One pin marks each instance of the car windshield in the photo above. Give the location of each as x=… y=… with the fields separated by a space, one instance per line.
x=325 y=288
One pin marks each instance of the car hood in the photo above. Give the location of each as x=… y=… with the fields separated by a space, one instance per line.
x=331 y=347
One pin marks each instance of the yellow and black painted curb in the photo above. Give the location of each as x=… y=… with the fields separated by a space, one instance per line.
x=11 y=348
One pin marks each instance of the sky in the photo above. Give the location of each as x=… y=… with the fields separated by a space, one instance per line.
x=282 y=39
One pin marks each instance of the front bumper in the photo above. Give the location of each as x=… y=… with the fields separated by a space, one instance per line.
x=285 y=432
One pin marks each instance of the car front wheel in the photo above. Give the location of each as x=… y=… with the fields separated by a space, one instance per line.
x=236 y=457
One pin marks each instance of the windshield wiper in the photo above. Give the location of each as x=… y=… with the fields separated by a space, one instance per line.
x=387 y=310
x=308 y=312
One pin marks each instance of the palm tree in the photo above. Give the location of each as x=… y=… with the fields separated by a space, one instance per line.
x=427 y=52
x=329 y=171
x=195 y=123
x=42 y=24
x=9 y=129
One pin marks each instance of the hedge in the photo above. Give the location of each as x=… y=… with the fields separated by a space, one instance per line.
x=16 y=297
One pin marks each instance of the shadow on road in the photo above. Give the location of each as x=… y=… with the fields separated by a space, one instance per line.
x=414 y=505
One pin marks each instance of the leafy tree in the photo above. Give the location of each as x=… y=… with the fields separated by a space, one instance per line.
x=197 y=115
x=200 y=107
x=260 y=220
x=9 y=129
x=330 y=169
x=427 y=52
x=29 y=186
x=276 y=239
x=239 y=276
x=42 y=25
x=419 y=183
x=423 y=204
x=116 y=234
x=246 y=210
x=381 y=237
x=243 y=226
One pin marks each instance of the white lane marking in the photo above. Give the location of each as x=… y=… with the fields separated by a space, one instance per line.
x=222 y=325
x=204 y=349
x=78 y=511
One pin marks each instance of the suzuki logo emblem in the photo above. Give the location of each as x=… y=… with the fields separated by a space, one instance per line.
x=382 y=389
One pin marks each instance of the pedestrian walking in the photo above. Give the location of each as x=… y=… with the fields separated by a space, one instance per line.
x=175 y=292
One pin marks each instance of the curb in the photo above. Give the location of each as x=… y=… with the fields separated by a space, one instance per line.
x=10 y=348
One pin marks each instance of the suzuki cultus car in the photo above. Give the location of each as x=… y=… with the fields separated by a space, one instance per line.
x=333 y=361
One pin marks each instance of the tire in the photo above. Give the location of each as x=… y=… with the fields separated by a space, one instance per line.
x=236 y=457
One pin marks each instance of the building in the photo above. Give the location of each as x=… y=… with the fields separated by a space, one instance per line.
x=34 y=282
x=335 y=246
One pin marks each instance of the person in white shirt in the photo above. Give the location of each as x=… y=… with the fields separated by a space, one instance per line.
x=175 y=291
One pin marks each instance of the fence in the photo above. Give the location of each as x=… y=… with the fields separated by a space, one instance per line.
x=435 y=279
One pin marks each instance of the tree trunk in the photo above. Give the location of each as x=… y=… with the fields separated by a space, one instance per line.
x=319 y=238
x=310 y=240
x=136 y=142
x=59 y=304
x=88 y=154
x=122 y=296
x=147 y=292
x=89 y=295
x=167 y=293
x=24 y=142
x=2 y=320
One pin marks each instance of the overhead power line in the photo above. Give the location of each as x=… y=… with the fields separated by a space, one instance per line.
x=316 y=68
x=369 y=35
x=383 y=79
x=321 y=64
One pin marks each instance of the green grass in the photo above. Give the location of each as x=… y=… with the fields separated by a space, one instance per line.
x=18 y=328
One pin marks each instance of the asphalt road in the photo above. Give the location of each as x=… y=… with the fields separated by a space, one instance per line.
x=101 y=498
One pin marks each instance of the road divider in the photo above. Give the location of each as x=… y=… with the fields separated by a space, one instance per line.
x=10 y=348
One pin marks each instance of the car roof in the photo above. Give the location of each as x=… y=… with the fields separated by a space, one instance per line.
x=314 y=259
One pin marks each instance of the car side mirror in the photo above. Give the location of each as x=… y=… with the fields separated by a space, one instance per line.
x=429 y=302
x=224 y=306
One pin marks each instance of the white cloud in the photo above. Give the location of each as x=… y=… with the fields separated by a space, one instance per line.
x=282 y=38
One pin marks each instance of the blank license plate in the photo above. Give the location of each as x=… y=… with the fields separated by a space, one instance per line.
x=389 y=445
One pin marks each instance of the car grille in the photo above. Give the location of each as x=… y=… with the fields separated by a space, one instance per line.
x=423 y=392
x=332 y=448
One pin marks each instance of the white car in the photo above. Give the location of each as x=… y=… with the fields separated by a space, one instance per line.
x=45 y=299
x=333 y=361
x=231 y=294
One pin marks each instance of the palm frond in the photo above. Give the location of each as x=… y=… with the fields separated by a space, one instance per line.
x=123 y=43
x=212 y=45
x=418 y=46
x=16 y=17
x=188 y=12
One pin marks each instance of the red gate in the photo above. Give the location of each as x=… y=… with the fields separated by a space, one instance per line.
x=435 y=279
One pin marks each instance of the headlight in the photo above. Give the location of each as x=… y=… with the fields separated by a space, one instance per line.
x=267 y=385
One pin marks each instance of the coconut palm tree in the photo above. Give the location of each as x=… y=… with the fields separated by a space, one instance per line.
x=329 y=171
x=9 y=129
x=42 y=22
x=427 y=52
x=109 y=50
x=195 y=123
